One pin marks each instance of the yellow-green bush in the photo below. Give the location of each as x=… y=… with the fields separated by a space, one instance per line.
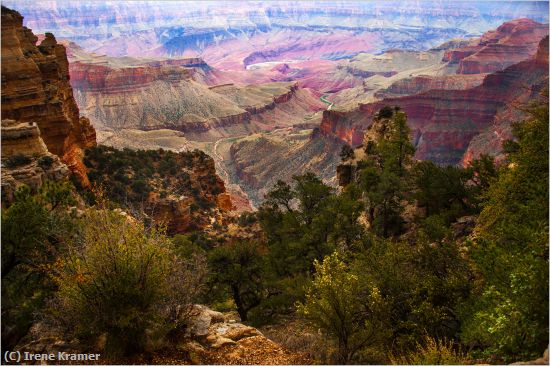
x=433 y=352
x=124 y=282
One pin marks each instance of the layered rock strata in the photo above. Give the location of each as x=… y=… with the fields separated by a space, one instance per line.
x=36 y=88
x=123 y=93
x=444 y=121
x=512 y=42
x=26 y=159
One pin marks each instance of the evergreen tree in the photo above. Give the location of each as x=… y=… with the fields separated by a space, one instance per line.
x=509 y=315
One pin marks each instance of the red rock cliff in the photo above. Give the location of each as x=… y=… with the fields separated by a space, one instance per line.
x=36 y=88
x=445 y=121
x=99 y=78
x=512 y=42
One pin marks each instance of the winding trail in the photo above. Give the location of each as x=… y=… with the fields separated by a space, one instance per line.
x=324 y=100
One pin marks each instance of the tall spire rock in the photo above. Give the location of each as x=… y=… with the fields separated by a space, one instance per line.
x=36 y=88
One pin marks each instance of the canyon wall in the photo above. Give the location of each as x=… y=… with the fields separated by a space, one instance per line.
x=123 y=93
x=444 y=122
x=36 y=88
x=509 y=44
x=259 y=161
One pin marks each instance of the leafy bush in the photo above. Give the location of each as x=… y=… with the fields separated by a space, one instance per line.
x=34 y=233
x=237 y=269
x=433 y=352
x=332 y=304
x=509 y=314
x=124 y=282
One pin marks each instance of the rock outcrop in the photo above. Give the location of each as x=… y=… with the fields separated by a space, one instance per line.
x=35 y=88
x=512 y=42
x=179 y=190
x=211 y=338
x=420 y=84
x=26 y=159
x=444 y=121
x=217 y=338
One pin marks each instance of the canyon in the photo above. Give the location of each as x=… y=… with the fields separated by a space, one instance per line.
x=44 y=137
x=142 y=142
x=246 y=88
x=443 y=121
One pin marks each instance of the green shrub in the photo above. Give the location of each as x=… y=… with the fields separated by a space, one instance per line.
x=386 y=112
x=332 y=304
x=124 y=282
x=433 y=352
x=34 y=231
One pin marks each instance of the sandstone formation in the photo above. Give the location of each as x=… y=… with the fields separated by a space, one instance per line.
x=35 y=88
x=219 y=339
x=443 y=121
x=510 y=43
x=181 y=190
x=26 y=159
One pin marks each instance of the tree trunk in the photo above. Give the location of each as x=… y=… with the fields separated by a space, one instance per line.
x=238 y=301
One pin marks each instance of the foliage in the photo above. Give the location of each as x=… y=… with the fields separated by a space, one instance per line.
x=385 y=112
x=34 y=233
x=133 y=175
x=421 y=286
x=509 y=314
x=237 y=269
x=383 y=176
x=433 y=352
x=484 y=173
x=122 y=281
x=303 y=223
x=331 y=303
x=442 y=190
x=347 y=153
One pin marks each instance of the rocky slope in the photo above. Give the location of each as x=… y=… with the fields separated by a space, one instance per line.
x=443 y=121
x=211 y=338
x=26 y=159
x=258 y=161
x=35 y=88
x=180 y=190
x=490 y=140
x=124 y=93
